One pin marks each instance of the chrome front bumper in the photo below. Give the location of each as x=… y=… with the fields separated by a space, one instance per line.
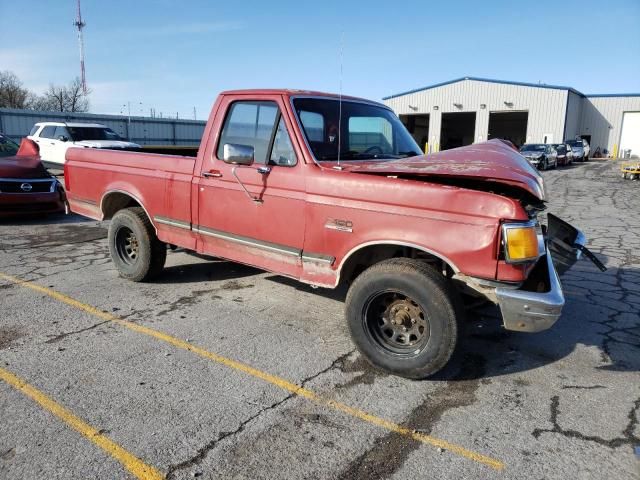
x=532 y=311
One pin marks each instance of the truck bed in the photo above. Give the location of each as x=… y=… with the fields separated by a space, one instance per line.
x=161 y=184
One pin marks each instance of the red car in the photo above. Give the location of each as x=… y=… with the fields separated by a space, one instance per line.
x=25 y=185
x=333 y=190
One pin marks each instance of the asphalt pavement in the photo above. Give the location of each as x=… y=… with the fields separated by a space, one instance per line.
x=218 y=370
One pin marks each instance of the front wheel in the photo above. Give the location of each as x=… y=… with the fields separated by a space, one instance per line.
x=135 y=250
x=403 y=318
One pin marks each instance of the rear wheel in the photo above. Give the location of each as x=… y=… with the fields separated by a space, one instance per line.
x=135 y=250
x=403 y=318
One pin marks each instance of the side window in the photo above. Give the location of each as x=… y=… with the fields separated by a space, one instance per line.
x=282 y=152
x=61 y=131
x=252 y=124
x=47 y=132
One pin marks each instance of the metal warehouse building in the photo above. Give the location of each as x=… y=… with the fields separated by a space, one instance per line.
x=469 y=110
x=16 y=124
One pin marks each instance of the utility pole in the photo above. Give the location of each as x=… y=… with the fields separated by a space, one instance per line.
x=128 y=105
x=194 y=113
x=79 y=24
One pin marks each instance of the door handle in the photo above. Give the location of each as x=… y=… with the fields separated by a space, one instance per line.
x=212 y=173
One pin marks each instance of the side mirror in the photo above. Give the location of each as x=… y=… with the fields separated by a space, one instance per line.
x=237 y=154
x=63 y=138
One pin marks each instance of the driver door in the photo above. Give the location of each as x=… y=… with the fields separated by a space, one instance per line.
x=253 y=214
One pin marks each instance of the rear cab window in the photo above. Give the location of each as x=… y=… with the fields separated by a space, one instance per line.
x=258 y=124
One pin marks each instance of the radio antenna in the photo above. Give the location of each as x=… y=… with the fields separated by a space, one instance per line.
x=340 y=100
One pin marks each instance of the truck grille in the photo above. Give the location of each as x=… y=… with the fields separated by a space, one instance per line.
x=26 y=186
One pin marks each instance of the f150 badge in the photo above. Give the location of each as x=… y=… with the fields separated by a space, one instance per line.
x=340 y=225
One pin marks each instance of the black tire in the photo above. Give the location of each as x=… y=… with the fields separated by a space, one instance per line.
x=544 y=165
x=135 y=250
x=408 y=294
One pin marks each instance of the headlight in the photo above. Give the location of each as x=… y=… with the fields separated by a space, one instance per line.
x=522 y=242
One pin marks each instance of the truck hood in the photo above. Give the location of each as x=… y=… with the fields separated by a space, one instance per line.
x=25 y=164
x=105 y=144
x=491 y=162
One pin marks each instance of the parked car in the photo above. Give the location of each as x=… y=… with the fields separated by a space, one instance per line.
x=54 y=139
x=8 y=148
x=290 y=183
x=25 y=185
x=564 y=154
x=580 y=148
x=540 y=155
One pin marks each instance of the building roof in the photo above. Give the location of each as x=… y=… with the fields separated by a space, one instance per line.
x=506 y=82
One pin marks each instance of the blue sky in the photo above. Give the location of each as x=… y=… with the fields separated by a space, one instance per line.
x=176 y=55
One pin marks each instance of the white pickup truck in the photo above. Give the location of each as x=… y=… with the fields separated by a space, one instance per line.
x=55 y=138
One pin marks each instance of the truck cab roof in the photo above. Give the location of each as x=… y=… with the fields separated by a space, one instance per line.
x=289 y=92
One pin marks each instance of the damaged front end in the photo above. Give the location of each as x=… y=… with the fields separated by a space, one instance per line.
x=537 y=304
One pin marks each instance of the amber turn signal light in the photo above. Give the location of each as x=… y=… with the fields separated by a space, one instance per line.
x=521 y=243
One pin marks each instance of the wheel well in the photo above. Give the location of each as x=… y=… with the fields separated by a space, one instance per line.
x=367 y=256
x=115 y=201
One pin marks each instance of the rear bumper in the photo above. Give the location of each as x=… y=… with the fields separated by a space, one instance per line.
x=12 y=204
x=527 y=310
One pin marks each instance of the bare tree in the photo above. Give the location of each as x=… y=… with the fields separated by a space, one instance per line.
x=12 y=93
x=64 y=98
x=69 y=98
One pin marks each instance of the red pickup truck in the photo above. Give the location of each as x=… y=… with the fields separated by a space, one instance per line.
x=329 y=190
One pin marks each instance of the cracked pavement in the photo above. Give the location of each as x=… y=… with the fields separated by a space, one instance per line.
x=564 y=403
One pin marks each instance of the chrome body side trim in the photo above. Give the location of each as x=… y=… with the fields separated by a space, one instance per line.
x=172 y=222
x=251 y=242
x=317 y=258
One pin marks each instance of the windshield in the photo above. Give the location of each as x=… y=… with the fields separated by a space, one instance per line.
x=367 y=131
x=8 y=148
x=92 y=133
x=532 y=148
x=575 y=143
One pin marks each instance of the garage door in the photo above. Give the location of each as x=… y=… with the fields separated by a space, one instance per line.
x=630 y=138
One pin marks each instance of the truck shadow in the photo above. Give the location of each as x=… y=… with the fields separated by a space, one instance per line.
x=599 y=312
x=213 y=269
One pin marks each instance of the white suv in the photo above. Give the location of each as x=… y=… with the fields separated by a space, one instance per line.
x=55 y=138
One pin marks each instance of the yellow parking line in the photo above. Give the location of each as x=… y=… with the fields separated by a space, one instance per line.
x=267 y=377
x=132 y=463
